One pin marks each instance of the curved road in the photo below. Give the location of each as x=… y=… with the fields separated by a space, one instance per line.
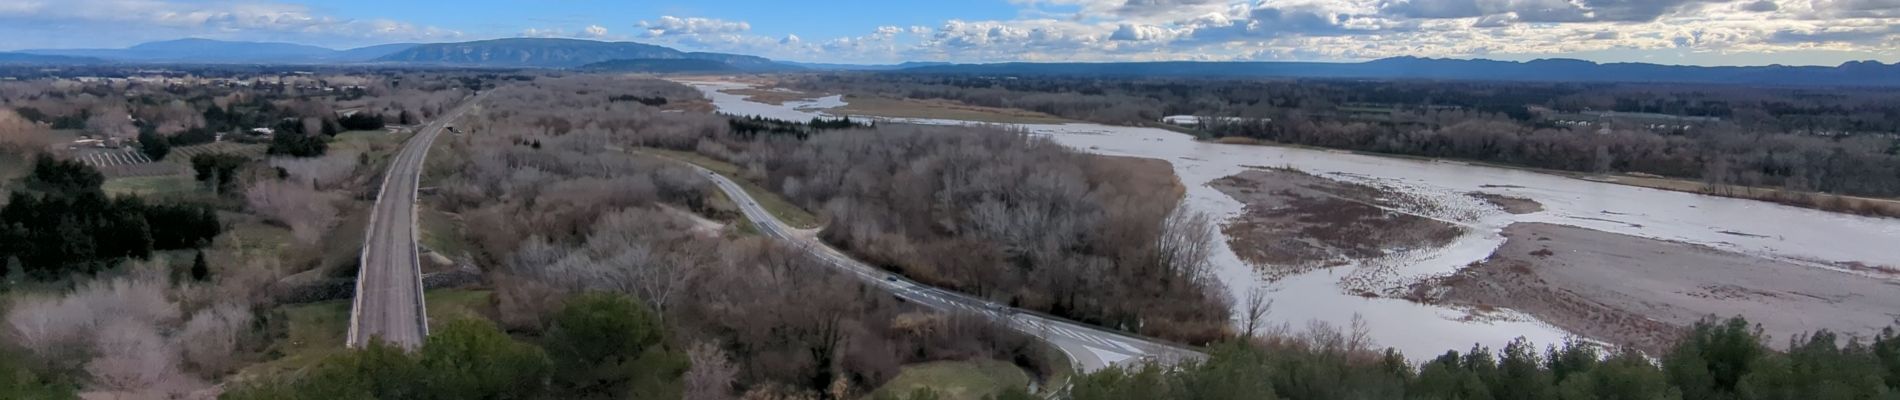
x=388 y=303
x=1089 y=347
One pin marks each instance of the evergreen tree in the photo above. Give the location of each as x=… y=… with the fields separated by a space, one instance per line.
x=606 y=345
x=199 y=270
x=16 y=272
x=153 y=146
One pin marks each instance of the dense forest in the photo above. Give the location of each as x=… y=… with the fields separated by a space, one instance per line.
x=61 y=223
x=1717 y=360
x=1003 y=215
x=1840 y=141
x=563 y=210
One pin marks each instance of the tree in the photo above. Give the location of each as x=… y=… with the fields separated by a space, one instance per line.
x=218 y=171
x=154 y=146
x=361 y=121
x=712 y=374
x=53 y=175
x=297 y=145
x=199 y=271
x=16 y=272
x=608 y=346
x=471 y=359
x=18 y=380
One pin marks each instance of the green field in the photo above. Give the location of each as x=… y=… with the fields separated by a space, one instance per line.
x=152 y=186
x=957 y=380
x=443 y=233
x=316 y=330
x=778 y=206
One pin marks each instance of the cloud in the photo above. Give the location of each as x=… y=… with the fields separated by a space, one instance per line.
x=1139 y=33
x=595 y=31
x=1761 y=6
x=256 y=19
x=1546 y=11
x=673 y=26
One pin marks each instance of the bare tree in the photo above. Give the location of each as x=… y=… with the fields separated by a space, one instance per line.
x=712 y=375
x=1256 y=310
x=211 y=339
x=307 y=212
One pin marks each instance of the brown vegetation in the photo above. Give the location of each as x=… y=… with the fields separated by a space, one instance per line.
x=1009 y=217
x=1296 y=222
x=558 y=207
x=1835 y=140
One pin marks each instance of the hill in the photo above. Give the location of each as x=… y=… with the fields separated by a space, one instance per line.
x=226 y=52
x=41 y=59
x=560 y=53
x=1867 y=73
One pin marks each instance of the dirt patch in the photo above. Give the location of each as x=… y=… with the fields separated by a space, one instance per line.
x=1514 y=205
x=1643 y=292
x=940 y=109
x=1296 y=222
x=776 y=97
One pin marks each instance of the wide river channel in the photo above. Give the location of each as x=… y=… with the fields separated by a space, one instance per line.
x=1810 y=237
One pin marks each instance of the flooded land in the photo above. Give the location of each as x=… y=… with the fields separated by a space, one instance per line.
x=1623 y=264
x=1643 y=292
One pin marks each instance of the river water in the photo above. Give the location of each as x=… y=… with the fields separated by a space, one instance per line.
x=1815 y=238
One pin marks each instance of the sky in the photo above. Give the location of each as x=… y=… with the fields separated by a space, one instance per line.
x=1696 y=32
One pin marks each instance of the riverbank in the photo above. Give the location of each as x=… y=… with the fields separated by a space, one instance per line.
x=1644 y=292
x=1854 y=205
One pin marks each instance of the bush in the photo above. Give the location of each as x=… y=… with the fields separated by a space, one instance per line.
x=1717 y=360
x=467 y=359
x=218 y=170
x=153 y=146
x=297 y=145
x=361 y=121
x=607 y=346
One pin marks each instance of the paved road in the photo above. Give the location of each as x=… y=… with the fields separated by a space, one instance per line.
x=1090 y=348
x=388 y=301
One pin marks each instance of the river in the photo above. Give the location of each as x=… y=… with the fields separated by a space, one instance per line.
x=1815 y=238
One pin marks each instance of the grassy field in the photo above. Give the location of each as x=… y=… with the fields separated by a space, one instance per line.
x=443 y=233
x=153 y=186
x=957 y=380
x=778 y=206
x=316 y=330
x=941 y=109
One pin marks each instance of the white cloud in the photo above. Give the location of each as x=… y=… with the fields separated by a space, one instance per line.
x=673 y=26
x=241 y=19
x=595 y=31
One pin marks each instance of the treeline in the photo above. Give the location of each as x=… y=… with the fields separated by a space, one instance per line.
x=164 y=111
x=60 y=222
x=1834 y=141
x=752 y=126
x=559 y=209
x=1717 y=360
x=1009 y=217
x=597 y=346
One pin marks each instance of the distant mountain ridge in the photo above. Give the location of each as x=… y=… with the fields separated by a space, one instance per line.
x=8 y=58
x=224 y=52
x=632 y=56
x=1860 y=73
x=563 y=53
